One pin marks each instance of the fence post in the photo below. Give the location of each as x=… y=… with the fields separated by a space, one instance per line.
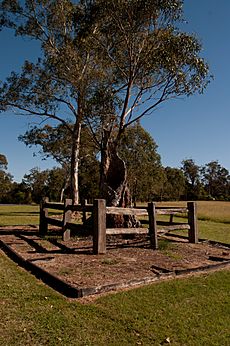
x=66 y=218
x=84 y=203
x=171 y=218
x=99 y=226
x=152 y=225
x=43 y=225
x=192 y=221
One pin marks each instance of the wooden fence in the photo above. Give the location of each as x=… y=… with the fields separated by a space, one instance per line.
x=65 y=222
x=99 y=212
x=100 y=230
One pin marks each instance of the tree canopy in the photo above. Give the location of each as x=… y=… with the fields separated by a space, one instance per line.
x=137 y=149
x=216 y=180
x=3 y=161
x=145 y=172
x=5 y=178
x=148 y=60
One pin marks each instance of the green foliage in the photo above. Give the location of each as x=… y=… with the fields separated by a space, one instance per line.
x=216 y=180
x=5 y=185
x=55 y=182
x=48 y=183
x=58 y=85
x=146 y=60
x=5 y=179
x=3 y=162
x=53 y=141
x=151 y=59
x=36 y=181
x=19 y=193
x=194 y=188
x=145 y=172
x=209 y=182
x=174 y=186
x=56 y=142
x=137 y=148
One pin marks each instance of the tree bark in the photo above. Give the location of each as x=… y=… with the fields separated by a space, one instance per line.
x=75 y=162
x=113 y=184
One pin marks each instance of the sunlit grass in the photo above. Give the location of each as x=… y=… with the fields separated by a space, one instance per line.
x=214 y=211
x=19 y=215
x=217 y=211
x=192 y=312
x=216 y=231
x=15 y=215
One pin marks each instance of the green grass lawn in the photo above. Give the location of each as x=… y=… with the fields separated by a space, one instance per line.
x=212 y=230
x=217 y=231
x=216 y=211
x=19 y=215
x=11 y=215
x=192 y=311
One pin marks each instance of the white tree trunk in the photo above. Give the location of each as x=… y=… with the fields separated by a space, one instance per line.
x=75 y=163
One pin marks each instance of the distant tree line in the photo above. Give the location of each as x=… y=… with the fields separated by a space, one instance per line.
x=147 y=178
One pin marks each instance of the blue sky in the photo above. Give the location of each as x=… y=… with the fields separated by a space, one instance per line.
x=196 y=127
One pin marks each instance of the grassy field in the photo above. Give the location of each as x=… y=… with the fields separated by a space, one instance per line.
x=14 y=215
x=193 y=311
x=216 y=211
x=19 y=215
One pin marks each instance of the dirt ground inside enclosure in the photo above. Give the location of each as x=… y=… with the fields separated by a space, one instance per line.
x=126 y=259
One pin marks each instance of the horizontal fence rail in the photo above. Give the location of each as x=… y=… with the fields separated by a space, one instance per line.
x=126 y=211
x=170 y=211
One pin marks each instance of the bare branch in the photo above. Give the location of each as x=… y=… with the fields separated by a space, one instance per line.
x=43 y=114
x=161 y=99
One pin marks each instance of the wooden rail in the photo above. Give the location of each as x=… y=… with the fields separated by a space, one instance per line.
x=99 y=212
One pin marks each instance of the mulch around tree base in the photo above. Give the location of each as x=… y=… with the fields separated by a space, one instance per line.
x=71 y=268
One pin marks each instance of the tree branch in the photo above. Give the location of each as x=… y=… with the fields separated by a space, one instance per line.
x=161 y=99
x=43 y=114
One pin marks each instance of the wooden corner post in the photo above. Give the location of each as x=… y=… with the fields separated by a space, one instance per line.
x=84 y=203
x=99 y=226
x=43 y=225
x=66 y=219
x=192 y=221
x=152 y=225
